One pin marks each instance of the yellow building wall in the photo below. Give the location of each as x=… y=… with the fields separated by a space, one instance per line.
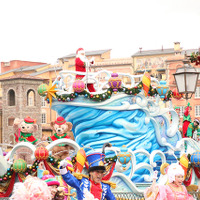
x=141 y=62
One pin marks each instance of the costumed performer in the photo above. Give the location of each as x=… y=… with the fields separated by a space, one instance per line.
x=91 y=186
x=33 y=188
x=174 y=190
x=62 y=190
x=52 y=183
x=82 y=64
x=193 y=127
x=186 y=119
x=60 y=127
x=24 y=130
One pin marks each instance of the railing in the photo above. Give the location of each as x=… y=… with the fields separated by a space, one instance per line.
x=132 y=196
x=128 y=196
x=95 y=78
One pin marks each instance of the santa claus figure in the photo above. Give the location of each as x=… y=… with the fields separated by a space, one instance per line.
x=82 y=64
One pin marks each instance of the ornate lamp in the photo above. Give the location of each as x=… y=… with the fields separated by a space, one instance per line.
x=186 y=79
x=124 y=157
x=115 y=82
x=162 y=89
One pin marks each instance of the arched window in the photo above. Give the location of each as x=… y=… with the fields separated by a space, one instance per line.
x=11 y=97
x=30 y=98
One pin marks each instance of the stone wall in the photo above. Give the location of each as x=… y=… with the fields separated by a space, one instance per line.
x=20 y=109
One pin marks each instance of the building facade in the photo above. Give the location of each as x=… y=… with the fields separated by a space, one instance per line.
x=20 y=99
x=161 y=63
x=173 y=63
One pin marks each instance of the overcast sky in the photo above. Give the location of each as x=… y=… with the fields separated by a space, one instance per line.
x=44 y=30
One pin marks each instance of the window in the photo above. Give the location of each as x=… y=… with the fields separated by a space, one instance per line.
x=30 y=98
x=182 y=108
x=11 y=121
x=197 y=93
x=43 y=102
x=11 y=98
x=44 y=118
x=6 y=64
x=197 y=111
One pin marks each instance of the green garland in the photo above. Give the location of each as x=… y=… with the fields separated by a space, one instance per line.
x=112 y=159
x=7 y=176
x=29 y=171
x=195 y=57
x=54 y=162
x=107 y=95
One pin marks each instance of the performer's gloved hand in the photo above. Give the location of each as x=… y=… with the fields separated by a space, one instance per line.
x=155 y=175
x=63 y=169
x=63 y=163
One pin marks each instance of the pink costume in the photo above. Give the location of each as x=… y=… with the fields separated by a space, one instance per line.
x=167 y=192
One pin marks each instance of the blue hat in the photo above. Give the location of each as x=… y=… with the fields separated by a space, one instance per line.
x=96 y=162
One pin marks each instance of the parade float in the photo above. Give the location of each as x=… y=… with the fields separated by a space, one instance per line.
x=133 y=119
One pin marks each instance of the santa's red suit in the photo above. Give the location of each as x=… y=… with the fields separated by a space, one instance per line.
x=80 y=66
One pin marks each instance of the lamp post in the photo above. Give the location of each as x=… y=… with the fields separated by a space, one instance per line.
x=186 y=79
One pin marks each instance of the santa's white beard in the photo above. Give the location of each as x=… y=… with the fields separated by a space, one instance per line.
x=83 y=58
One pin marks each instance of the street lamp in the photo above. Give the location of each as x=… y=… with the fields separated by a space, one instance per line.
x=186 y=79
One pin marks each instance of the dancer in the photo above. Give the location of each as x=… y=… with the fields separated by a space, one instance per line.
x=186 y=119
x=193 y=127
x=33 y=188
x=174 y=190
x=52 y=183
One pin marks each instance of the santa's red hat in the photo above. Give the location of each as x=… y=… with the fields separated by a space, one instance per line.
x=60 y=121
x=79 y=51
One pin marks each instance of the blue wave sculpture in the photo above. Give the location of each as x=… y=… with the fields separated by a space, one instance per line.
x=124 y=119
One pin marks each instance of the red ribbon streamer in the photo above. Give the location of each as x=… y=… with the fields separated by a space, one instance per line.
x=188 y=182
x=10 y=187
x=19 y=178
x=48 y=168
x=108 y=176
x=196 y=170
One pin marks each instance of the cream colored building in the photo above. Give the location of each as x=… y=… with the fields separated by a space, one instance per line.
x=153 y=61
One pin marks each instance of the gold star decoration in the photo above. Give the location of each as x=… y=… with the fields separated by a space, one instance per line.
x=51 y=92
